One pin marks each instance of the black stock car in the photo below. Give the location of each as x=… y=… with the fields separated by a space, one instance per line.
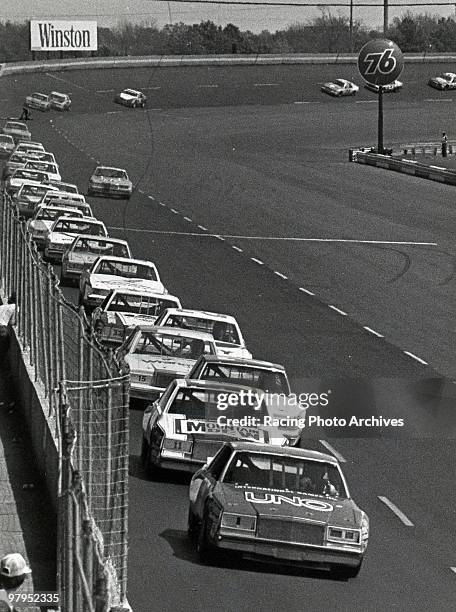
x=280 y=504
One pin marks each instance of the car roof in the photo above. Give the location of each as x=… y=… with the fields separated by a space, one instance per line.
x=285 y=451
x=62 y=208
x=104 y=238
x=57 y=93
x=110 y=168
x=133 y=90
x=179 y=333
x=254 y=363
x=155 y=294
x=202 y=313
x=189 y=383
x=126 y=260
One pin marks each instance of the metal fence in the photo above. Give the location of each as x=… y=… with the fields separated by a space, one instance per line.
x=87 y=391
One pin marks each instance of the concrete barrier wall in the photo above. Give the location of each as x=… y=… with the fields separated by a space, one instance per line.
x=200 y=60
x=35 y=407
x=432 y=173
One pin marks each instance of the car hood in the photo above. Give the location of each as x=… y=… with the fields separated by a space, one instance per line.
x=40 y=225
x=439 y=80
x=233 y=350
x=126 y=96
x=110 y=180
x=108 y=281
x=276 y=503
x=160 y=363
x=60 y=238
x=331 y=85
x=131 y=319
x=83 y=258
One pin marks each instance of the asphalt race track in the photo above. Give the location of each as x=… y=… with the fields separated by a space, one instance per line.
x=344 y=273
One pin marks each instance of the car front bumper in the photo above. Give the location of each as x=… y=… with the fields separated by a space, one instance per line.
x=109 y=190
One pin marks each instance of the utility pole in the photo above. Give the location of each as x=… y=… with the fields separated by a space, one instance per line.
x=351 y=26
x=385 y=17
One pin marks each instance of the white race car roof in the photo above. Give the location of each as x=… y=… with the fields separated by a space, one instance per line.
x=179 y=333
x=186 y=312
x=126 y=260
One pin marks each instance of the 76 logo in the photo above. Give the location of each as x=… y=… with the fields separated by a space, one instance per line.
x=384 y=62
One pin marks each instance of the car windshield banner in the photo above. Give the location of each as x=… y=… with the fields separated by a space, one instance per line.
x=50 y=35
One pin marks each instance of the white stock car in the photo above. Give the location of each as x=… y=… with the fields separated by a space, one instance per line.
x=181 y=429
x=110 y=181
x=41 y=222
x=109 y=273
x=122 y=310
x=158 y=355
x=39 y=101
x=29 y=195
x=447 y=80
x=19 y=131
x=62 y=232
x=131 y=98
x=66 y=187
x=6 y=145
x=20 y=176
x=84 y=250
x=224 y=328
x=340 y=87
x=50 y=168
x=390 y=88
x=59 y=101
x=24 y=147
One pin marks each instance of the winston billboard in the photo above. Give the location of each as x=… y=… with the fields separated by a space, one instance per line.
x=50 y=35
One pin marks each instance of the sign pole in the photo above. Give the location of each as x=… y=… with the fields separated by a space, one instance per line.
x=380 y=120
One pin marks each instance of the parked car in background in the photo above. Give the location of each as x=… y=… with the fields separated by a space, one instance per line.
x=132 y=98
x=59 y=101
x=84 y=251
x=38 y=101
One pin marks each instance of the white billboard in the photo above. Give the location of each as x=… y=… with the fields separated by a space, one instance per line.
x=50 y=35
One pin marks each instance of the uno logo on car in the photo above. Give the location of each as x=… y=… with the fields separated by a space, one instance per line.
x=272 y=498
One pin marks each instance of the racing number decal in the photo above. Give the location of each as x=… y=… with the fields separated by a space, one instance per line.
x=384 y=62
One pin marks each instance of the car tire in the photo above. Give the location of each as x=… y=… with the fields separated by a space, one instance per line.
x=63 y=281
x=345 y=573
x=192 y=527
x=206 y=552
x=144 y=452
x=153 y=472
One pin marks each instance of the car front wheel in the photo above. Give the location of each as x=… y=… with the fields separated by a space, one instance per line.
x=192 y=527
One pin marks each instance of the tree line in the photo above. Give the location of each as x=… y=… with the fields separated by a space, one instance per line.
x=326 y=33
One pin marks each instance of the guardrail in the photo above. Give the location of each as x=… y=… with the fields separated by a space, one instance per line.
x=75 y=402
x=406 y=166
x=95 y=63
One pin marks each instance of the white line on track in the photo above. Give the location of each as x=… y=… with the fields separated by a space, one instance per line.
x=156 y=87
x=332 y=450
x=140 y=191
x=104 y=90
x=203 y=228
x=301 y=102
x=416 y=358
x=258 y=261
x=161 y=204
x=220 y=238
x=207 y=86
x=4 y=100
x=113 y=112
x=188 y=219
x=453 y=569
x=52 y=76
x=151 y=197
x=306 y=291
x=337 y=310
x=437 y=167
x=173 y=210
x=407 y=522
x=372 y=331
x=438 y=99
x=366 y=101
x=281 y=275
x=236 y=248
x=266 y=84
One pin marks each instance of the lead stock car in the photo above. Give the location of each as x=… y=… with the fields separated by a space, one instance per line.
x=280 y=504
x=340 y=87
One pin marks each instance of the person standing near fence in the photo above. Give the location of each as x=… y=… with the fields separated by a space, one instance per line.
x=444 y=144
x=7 y=318
x=13 y=572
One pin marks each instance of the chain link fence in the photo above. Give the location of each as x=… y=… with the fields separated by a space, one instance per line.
x=87 y=393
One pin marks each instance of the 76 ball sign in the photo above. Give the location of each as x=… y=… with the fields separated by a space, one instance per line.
x=380 y=62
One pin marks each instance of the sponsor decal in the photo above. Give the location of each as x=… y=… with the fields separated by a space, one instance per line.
x=51 y=35
x=182 y=426
x=295 y=500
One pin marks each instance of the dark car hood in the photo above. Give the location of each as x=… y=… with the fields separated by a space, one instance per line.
x=274 y=503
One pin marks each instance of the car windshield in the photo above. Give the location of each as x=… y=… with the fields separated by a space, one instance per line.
x=50 y=214
x=260 y=378
x=339 y=82
x=195 y=404
x=58 y=97
x=31 y=175
x=68 y=187
x=16 y=126
x=39 y=96
x=33 y=190
x=126 y=270
x=41 y=165
x=78 y=227
x=6 y=139
x=17 y=158
x=139 y=304
x=100 y=247
x=270 y=471
x=131 y=92
x=221 y=330
x=111 y=173
x=157 y=343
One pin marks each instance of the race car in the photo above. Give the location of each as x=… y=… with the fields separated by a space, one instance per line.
x=225 y=329
x=62 y=232
x=68 y=196
x=447 y=80
x=39 y=101
x=59 y=101
x=123 y=309
x=181 y=430
x=19 y=131
x=84 y=250
x=66 y=187
x=14 y=182
x=50 y=168
x=158 y=355
x=15 y=161
x=6 y=145
x=26 y=147
x=131 y=98
x=340 y=87
x=263 y=375
x=279 y=504
x=41 y=222
x=29 y=195
x=110 y=182
x=109 y=273
x=391 y=87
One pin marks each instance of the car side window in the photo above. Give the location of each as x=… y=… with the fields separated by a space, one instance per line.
x=219 y=462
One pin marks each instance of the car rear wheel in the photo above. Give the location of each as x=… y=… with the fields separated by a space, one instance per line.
x=144 y=451
x=343 y=572
x=152 y=470
x=192 y=527
x=206 y=551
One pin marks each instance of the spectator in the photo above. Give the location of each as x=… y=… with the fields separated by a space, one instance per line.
x=13 y=571
x=25 y=115
x=444 y=144
x=7 y=318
